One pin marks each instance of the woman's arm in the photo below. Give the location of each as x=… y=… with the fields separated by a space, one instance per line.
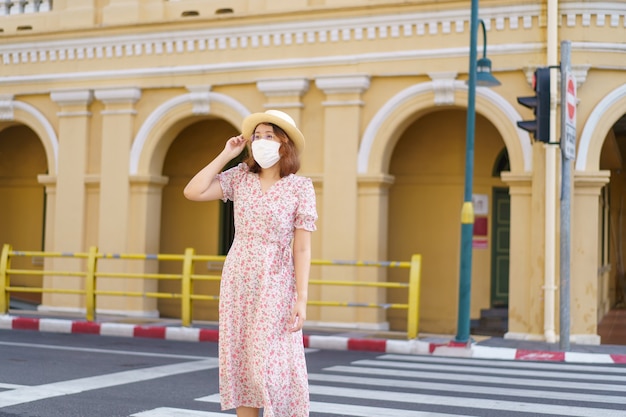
x=302 y=265
x=204 y=186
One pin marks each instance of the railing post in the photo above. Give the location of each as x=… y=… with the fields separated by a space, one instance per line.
x=415 y=274
x=5 y=264
x=186 y=287
x=90 y=284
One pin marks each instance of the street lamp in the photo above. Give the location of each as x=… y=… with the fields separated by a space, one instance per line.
x=479 y=74
x=484 y=78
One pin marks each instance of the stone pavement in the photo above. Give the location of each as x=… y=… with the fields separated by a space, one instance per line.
x=319 y=338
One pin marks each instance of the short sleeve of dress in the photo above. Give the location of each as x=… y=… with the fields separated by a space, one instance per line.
x=306 y=213
x=230 y=180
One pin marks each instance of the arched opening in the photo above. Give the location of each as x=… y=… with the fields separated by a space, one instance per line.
x=206 y=227
x=612 y=237
x=613 y=200
x=22 y=212
x=428 y=164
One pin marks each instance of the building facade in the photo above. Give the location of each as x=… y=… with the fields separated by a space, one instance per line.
x=108 y=107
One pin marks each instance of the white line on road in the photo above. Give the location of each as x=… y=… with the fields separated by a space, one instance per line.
x=178 y=412
x=561 y=366
x=11 y=386
x=456 y=387
x=464 y=370
x=446 y=376
x=108 y=351
x=75 y=386
x=485 y=404
x=342 y=409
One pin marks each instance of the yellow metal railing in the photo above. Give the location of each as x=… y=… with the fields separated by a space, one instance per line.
x=186 y=277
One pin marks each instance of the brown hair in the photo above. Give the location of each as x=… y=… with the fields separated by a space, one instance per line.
x=289 y=160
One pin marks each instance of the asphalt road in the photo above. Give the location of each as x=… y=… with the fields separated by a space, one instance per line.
x=81 y=375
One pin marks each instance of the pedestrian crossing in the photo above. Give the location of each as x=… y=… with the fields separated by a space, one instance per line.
x=418 y=386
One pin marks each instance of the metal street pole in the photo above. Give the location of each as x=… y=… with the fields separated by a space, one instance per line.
x=467 y=212
x=568 y=152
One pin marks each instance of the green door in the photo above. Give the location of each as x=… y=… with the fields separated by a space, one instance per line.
x=501 y=220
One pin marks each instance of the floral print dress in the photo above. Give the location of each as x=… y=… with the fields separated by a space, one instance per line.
x=262 y=363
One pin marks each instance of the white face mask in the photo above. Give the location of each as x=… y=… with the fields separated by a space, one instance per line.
x=265 y=152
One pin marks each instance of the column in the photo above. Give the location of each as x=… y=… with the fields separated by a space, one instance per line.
x=286 y=94
x=341 y=133
x=70 y=215
x=521 y=250
x=373 y=203
x=585 y=256
x=118 y=119
x=144 y=237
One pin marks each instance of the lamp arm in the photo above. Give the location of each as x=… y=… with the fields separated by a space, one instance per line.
x=482 y=23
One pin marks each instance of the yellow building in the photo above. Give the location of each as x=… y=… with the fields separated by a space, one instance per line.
x=108 y=107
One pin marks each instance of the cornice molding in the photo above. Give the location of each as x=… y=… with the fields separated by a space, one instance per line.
x=343 y=84
x=283 y=87
x=118 y=95
x=72 y=97
x=314 y=33
x=319 y=31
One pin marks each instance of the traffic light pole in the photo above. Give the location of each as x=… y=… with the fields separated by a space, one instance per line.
x=539 y=127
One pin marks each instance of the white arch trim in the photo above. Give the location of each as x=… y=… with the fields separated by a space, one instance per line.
x=47 y=127
x=592 y=123
x=168 y=106
x=396 y=101
x=513 y=116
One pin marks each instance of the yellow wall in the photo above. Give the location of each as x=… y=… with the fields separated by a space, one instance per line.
x=111 y=106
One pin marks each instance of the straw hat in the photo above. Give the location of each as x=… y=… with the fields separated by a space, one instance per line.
x=278 y=118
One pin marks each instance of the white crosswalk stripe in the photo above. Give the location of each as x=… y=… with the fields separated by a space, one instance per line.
x=176 y=412
x=428 y=386
x=341 y=409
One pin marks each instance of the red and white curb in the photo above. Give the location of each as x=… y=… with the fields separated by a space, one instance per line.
x=415 y=347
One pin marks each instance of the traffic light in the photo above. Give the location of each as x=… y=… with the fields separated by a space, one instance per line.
x=540 y=103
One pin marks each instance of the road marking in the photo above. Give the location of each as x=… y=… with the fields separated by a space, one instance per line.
x=607 y=369
x=178 y=412
x=476 y=378
x=485 y=404
x=456 y=387
x=365 y=411
x=109 y=351
x=464 y=370
x=11 y=386
x=342 y=409
x=75 y=386
x=213 y=398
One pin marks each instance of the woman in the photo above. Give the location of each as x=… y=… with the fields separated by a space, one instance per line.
x=263 y=292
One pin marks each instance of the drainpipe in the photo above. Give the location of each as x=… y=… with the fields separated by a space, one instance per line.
x=551 y=179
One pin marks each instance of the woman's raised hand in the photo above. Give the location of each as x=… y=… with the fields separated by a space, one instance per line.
x=234 y=146
x=204 y=186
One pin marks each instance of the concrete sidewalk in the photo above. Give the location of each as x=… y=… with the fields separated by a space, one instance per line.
x=317 y=338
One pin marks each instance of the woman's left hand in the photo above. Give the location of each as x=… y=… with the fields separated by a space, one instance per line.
x=298 y=316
